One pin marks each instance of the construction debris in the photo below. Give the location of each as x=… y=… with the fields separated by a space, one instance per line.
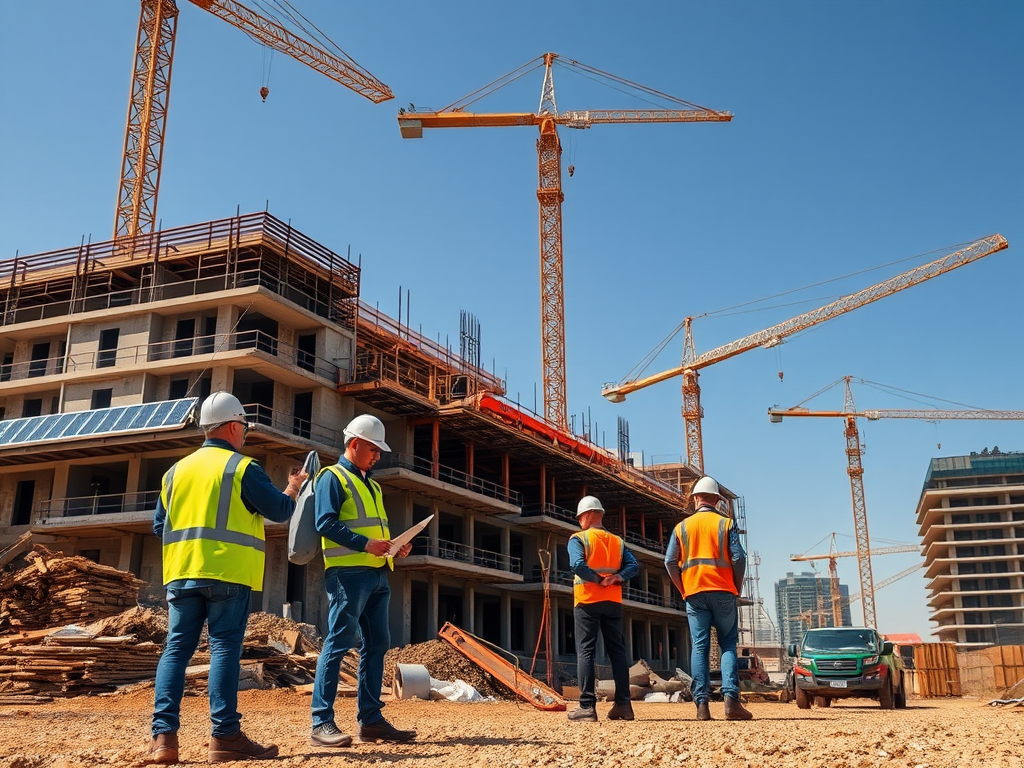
x=444 y=663
x=40 y=588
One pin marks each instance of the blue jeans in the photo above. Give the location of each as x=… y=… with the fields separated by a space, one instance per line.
x=704 y=610
x=225 y=607
x=357 y=601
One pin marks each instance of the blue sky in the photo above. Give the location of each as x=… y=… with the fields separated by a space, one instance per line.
x=864 y=133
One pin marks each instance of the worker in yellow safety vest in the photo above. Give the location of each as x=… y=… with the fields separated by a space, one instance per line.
x=601 y=564
x=706 y=562
x=209 y=517
x=358 y=556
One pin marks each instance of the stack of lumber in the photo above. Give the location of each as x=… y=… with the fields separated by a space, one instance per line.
x=40 y=588
x=37 y=666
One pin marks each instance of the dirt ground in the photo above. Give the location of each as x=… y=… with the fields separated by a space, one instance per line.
x=111 y=730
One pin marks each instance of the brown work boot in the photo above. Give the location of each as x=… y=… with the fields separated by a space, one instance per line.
x=703 y=710
x=587 y=714
x=239 y=747
x=622 y=711
x=734 y=710
x=328 y=735
x=382 y=730
x=163 y=748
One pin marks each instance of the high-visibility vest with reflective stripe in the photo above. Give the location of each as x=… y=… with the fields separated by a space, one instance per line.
x=704 y=553
x=363 y=512
x=603 y=552
x=208 y=532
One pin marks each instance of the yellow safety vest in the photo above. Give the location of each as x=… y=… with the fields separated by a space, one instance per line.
x=208 y=532
x=603 y=552
x=704 y=553
x=363 y=512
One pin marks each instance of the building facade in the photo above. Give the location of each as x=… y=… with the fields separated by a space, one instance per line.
x=107 y=350
x=803 y=601
x=971 y=523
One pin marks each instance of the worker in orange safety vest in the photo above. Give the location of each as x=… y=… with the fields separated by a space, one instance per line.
x=601 y=564
x=706 y=562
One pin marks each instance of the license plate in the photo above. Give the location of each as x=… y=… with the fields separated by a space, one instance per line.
x=837 y=683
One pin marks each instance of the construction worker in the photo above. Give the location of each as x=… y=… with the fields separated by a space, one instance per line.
x=210 y=518
x=601 y=564
x=706 y=562
x=351 y=520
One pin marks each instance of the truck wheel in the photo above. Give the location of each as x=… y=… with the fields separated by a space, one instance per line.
x=803 y=701
x=885 y=697
x=901 y=694
x=823 y=701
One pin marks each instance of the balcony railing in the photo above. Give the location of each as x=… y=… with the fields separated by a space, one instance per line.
x=98 y=504
x=167 y=350
x=293 y=425
x=640 y=541
x=463 y=553
x=451 y=476
x=565 y=578
x=549 y=510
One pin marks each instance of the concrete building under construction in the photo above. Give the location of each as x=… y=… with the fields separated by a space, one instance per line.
x=971 y=521
x=107 y=349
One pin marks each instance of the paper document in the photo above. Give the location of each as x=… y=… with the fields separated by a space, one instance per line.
x=401 y=540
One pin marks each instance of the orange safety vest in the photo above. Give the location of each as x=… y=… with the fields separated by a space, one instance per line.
x=704 y=560
x=603 y=552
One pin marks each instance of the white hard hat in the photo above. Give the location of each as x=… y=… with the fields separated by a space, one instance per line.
x=368 y=428
x=219 y=408
x=706 y=485
x=589 y=504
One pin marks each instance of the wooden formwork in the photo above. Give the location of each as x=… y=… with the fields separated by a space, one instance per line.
x=936 y=671
x=991 y=670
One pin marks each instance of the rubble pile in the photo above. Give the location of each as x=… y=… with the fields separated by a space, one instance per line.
x=444 y=663
x=40 y=588
x=40 y=665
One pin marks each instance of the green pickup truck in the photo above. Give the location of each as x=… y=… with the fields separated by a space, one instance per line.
x=846 y=662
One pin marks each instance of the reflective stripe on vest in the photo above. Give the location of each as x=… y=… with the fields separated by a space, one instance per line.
x=363 y=513
x=704 y=560
x=208 y=532
x=603 y=552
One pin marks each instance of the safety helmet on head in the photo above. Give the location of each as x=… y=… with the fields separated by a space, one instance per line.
x=706 y=485
x=589 y=504
x=368 y=428
x=220 y=408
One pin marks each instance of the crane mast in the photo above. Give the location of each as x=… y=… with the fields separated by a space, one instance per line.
x=549 y=192
x=150 y=94
x=855 y=470
x=770 y=337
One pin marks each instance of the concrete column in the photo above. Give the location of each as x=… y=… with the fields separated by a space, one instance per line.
x=506 y=546
x=664 y=648
x=555 y=626
x=432 y=621
x=60 y=481
x=469 y=600
x=134 y=471
x=124 y=559
x=506 y=620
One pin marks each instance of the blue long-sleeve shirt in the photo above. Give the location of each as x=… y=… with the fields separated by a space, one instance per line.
x=329 y=496
x=259 y=495
x=737 y=557
x=578 y=563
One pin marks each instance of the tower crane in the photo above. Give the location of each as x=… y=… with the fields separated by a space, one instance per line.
x=151 y=90
x=692 y=362
x=855 y=469
x=549 y=190
x=889 y=580
x=833 y=572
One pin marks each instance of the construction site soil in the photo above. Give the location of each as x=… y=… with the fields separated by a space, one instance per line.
x=113 y=729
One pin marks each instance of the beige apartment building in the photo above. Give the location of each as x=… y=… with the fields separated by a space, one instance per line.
x=971 y=519
x=107 y=349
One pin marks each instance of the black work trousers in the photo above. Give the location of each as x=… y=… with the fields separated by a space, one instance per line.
x=606 y=617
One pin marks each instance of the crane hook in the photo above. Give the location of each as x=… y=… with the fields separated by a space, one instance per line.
x=264 y=91
x=571 y=169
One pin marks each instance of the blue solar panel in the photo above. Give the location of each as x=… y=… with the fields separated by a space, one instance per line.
x=167 y=414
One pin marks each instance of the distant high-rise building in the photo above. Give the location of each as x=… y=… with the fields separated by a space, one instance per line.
x=796 y=605
x=971 y=520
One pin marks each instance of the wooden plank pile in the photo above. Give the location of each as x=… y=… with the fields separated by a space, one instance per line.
x=38 y=666
x=40 y=588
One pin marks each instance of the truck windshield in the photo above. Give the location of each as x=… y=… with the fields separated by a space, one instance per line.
x=840 y=640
